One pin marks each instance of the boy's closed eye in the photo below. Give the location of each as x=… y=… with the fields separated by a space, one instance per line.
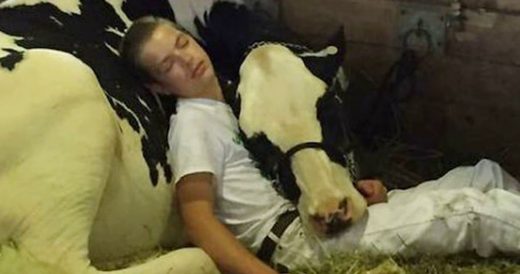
x=181 y=41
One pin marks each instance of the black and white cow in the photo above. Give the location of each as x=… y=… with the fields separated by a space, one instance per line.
x=84 y=174
x=83 y=165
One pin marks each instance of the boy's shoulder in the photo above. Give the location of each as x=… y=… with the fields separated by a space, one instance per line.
x=191 y=118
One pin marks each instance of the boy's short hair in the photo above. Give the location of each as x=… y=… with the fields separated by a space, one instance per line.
x=133 y=41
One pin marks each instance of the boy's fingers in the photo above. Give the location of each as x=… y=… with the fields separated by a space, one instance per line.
x=366 y=188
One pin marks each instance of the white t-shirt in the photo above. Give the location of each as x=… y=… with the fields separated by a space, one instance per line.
x=203 y=137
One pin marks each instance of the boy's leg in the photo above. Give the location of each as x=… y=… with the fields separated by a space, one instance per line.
x=441 y=222
x=484 y=176
x=468 y=208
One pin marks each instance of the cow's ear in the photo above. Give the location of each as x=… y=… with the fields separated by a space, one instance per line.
x=338 y=40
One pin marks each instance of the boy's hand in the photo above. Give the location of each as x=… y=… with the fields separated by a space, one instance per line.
x=373 y=190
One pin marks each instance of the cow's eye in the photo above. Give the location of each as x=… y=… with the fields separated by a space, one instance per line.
x=182 y=41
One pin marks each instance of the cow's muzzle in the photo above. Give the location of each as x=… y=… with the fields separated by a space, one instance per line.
x=334 y=222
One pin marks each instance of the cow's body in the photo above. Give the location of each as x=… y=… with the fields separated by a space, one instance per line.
x=72 y=175
x=84 y=178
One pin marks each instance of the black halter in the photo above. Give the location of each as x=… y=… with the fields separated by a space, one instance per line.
x=338 y=152
x=329 y=149
x=284 y=171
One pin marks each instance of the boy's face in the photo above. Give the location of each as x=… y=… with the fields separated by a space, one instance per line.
x=178 y=64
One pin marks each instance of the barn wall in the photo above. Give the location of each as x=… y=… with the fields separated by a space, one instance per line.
x=469 y=101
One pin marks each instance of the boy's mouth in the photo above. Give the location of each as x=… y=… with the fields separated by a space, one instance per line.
x=199 y=69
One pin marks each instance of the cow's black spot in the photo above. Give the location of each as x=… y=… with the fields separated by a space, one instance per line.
x=268 y=159
x=10 y=60
x=229 y=91
x=336 y=131
x=88 y=37
x=334 y=127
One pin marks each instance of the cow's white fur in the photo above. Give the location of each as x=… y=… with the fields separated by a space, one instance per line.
x=73 y=182
x=12 y=261
x=275 y=83
x=67 y=6
x=8 y=42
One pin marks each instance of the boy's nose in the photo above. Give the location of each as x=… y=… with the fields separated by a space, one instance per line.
x=183 y=55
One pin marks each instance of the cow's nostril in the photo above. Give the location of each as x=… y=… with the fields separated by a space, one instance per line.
x=334 y=222
x=337 y=225
x=318 y=218
x=340 y=220
x=343 y=205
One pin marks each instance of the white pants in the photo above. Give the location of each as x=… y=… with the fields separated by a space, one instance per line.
x=469 y=208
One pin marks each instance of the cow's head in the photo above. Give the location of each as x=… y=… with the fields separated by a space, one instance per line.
x=280 y=110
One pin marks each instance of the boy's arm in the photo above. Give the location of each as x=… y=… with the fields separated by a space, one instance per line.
x=195 y=199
